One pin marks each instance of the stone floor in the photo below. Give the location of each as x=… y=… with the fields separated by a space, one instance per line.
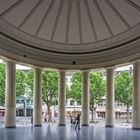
x=54 y=132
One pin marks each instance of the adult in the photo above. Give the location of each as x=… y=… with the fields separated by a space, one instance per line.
x=78 y=121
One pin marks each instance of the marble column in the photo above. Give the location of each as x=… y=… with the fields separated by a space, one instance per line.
x=109 y=115
x=136 y=96
x=85 y=99
x=62 y=99
x=37 y=108
x=10 y=96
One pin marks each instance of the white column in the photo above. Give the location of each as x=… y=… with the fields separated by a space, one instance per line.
x=85 y=99
x=109 y=115
x=136 y=96
x=37 y=109
x=62 y=99
x=10 y=96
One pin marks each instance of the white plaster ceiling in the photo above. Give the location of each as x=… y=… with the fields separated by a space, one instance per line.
x=70 y=33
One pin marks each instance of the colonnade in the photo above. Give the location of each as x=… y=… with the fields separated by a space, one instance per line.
x=10 y=98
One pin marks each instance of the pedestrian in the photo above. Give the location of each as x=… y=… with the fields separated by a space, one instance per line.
x=78 y=121
x=74 y=120
x=45 y=119
x=71 y=121
x=32 y=120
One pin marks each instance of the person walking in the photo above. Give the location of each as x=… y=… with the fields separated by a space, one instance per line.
x=71 y=121
x=78 y=121
x=32 y=119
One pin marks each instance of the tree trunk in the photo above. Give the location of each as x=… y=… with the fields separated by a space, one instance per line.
x=49 y=114
x=93 y=114
x=127 y=113
x=92 y=119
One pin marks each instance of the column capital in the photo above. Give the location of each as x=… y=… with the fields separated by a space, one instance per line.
x=11 y=61
x=111 y=67
x=62 y=70
x=135 y=61
x=85 y=70
x=37 y=67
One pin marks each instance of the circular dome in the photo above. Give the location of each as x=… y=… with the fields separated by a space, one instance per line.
x=73 y=34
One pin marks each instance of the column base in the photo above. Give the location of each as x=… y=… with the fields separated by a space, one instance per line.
x=85 y=124
x=37 y=125
x=61 y=124
x=109 y=125
x=10 y=126
x=135 y=128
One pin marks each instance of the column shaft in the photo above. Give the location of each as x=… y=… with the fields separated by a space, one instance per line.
x=110 y=98
x=85 y=99
x=37 y=109
x=10 y=96
x=136 y=96
x=62 y=99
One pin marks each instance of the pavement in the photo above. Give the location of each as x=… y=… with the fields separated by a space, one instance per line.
x=26 y=121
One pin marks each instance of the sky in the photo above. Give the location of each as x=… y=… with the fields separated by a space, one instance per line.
x=20 y=67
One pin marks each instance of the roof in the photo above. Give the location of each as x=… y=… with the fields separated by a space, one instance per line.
x=71 y=34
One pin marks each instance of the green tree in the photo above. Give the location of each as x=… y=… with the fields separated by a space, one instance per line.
x=68 y=92
x=2 y=84
x=49 y=89
x=76 y=87
x=124 y=89
x=97 y=89
x=20 y=82
x=29 y=80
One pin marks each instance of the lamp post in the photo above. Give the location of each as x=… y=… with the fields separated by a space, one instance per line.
x=74 y=106
x=25 y=103
x=25 y=108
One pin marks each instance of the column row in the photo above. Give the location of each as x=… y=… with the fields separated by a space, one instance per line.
x=10 y=97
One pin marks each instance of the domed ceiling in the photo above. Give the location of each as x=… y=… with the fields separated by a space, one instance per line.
x=73 y=34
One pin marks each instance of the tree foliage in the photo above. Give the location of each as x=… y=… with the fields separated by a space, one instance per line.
x=20 y=82
x=2 y=84
x=97 y=88
x=124 y=87
x=29 y=80
x=49 y=89
x=75 y=90
x=68 y=92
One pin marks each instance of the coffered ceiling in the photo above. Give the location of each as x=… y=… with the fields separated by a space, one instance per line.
x=73 y=34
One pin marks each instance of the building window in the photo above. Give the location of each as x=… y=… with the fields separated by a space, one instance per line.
x=27 y=101
x=71 y=102
x=22 y=101
x=17 y=101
